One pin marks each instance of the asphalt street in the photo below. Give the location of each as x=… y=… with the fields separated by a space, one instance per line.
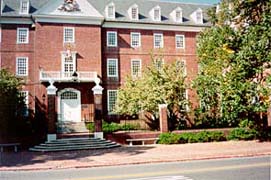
x=250 y=168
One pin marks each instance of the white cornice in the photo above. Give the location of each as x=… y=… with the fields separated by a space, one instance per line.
x=15 y=20
x=165 y=27
x=69 y=20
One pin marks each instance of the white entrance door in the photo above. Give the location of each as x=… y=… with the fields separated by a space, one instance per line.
x=70 y=105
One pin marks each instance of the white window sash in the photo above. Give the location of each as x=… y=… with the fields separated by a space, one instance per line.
x=157 y=16
x=109 y=105
x=183 y=44
x=161 y=43
x=63 y=56
x=18 y=73
x=65 y=39
x=22 y=6
x=134 y=13
x=132 y=39
x=132 y=68
x=26 y=36
x=108 y=43
x=116 y=67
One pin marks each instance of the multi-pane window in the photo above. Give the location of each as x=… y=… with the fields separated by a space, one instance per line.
x=156 y=14
x=159 y=63
x=185 y=107
x=136 y=67
x=135 y=39
x=111 y=11
x=69 y=66
x=24 y=9
x=22 y=66
x=158 y=40
x=134 y=13
x=111 y=100
x=112 y=39
x=68 y=35
x=24 y=95
x=179 y=16
x=112 y=67
x=22 y=35
x=180 y=41
x=181 y=65
x=199 y=16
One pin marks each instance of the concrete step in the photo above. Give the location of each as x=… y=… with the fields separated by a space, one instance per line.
x=69 y=144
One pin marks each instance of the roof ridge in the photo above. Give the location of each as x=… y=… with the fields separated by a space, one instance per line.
x=175 y=2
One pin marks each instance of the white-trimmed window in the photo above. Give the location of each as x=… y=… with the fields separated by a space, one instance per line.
x=157 y=14
x=136 y=67
x=135 y=39
x=158 y=40
x=178 y=15
x=24 y=7
x=112 y=67
x=199 y=18
x=25 y=96
x=180 y=41
x=159 y=63
x=111 y=100
x=112 y=40
x=181 y=65
x=22 y=35
x=68 y=35
x=133 y=12
x=68 y=64
x=110 y=11
x=185 y=95
x=22 y=66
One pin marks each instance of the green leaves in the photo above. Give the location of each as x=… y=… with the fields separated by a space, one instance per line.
x=154 y=87
x=233 y=56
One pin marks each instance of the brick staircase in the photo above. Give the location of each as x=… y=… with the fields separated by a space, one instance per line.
x=69 y=144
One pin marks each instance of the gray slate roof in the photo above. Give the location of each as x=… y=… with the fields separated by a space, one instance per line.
x=11 y=8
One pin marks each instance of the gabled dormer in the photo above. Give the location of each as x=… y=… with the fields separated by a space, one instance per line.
x=197 y=16
x=110 y=11
x=155 y=13
x=177 y=15
x=133 y=12
x=24 y=7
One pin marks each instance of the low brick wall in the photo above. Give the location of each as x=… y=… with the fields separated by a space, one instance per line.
x=121 y=136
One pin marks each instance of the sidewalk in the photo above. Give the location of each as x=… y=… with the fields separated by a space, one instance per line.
x=131 y=155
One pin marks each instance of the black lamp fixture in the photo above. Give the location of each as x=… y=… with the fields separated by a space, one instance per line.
x=75 y=76
x=43 y=97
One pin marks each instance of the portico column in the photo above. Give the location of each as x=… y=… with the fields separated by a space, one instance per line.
x=98 y=94
x=51 y=95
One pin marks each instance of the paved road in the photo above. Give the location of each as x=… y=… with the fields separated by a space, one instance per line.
x=257 y=168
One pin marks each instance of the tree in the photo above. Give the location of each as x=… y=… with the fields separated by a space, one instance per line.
x=11 y=104
x=159 y=84
x=234 y=56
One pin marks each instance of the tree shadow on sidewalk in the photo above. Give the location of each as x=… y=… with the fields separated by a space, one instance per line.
x=23 y=158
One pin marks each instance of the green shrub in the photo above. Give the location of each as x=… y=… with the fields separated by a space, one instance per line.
x=242 y=134
x=168 y=138
x=113 y=127
x=203 y=136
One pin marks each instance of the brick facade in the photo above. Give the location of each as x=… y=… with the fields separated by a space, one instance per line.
x=46 y=49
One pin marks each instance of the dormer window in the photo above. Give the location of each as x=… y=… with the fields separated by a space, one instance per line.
x=197 y=16
x=133 y=12
x=178 y=16
x=157 y=14
x=24 y=8
x=110 y=11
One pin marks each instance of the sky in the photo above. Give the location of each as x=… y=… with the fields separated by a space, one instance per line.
x=197 y=1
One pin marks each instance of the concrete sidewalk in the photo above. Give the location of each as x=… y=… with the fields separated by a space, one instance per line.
x=10 y=161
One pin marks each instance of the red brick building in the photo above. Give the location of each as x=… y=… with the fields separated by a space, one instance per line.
x=61 y=47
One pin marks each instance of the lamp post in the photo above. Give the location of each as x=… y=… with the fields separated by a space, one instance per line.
x=98 y=94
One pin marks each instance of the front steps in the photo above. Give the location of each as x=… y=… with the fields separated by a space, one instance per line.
x=69 y=144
